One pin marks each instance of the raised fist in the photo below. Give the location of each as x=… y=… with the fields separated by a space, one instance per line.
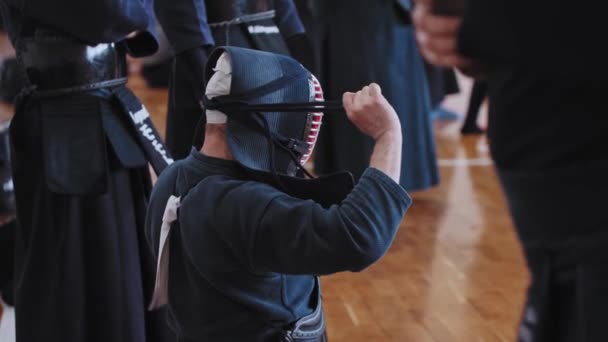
x=370 y=112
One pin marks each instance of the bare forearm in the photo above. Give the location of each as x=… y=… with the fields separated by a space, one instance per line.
x=371 y=113
x=387 y=153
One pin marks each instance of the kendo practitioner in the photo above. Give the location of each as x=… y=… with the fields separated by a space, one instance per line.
x=547 y=130
x=373 y=41
x=81 y=144
x=194 y=27
x=241 y=233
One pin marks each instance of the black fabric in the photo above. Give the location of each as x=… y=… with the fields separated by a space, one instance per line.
x=325 y=190
x=565 y=45
x=449 y=7
x=301 y=48
x=11 y=79
x=84 y=243
x=309 y=13
x=194 y=61
x=478 y=95
x=244 y=256
x=100 y=22
x=187 y=22
x=184 y=110
x=157 y=75
x=564 y=239
x=546 y=82
x=558 y=123
x=53 y=62
x=7 y=255
x=73 y=168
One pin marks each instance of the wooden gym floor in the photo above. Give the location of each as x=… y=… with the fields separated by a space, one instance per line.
x=455 y=272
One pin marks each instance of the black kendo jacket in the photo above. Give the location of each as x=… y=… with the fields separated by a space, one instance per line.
x=244 y=256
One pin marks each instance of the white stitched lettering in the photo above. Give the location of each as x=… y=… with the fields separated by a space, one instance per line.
x=140 y=116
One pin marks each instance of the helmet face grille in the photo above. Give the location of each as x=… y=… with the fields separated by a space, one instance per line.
x=316 y=119
x=274 y=140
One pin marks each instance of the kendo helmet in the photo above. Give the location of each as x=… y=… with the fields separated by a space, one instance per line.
x=273 y=108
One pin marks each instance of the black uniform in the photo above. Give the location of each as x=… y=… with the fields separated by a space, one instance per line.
x=81 y=173
x=546 y=83
x=249 y=274
x=195 y=26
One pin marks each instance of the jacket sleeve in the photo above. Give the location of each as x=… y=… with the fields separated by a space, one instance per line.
x=90 y=21
x=269 y=231
x=185 y=23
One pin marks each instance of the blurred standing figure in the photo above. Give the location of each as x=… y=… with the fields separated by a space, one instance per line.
x=81 y=143
x=373 y=41
x=547 y=130
x=194 y=27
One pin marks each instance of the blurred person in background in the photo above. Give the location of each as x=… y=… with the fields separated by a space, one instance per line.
x=546 y=76
x=81 y=144
x=373 y=41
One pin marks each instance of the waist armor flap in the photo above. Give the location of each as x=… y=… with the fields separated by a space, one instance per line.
x=53 y=63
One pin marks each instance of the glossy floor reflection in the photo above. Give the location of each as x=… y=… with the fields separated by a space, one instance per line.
x=454 y=273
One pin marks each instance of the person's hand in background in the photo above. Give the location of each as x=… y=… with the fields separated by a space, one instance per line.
x=437 y=36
